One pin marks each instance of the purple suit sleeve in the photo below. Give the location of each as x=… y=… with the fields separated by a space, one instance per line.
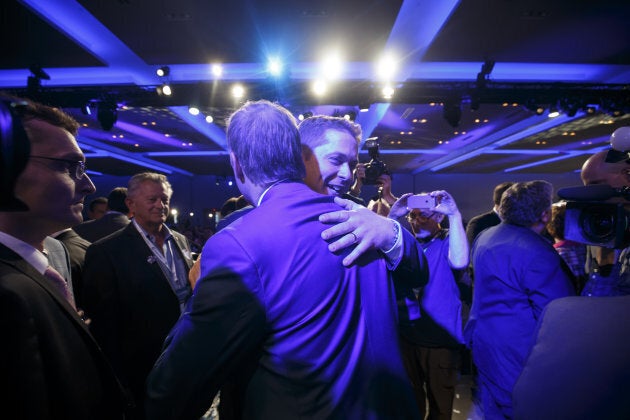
x=221 y=331
x=412 y=271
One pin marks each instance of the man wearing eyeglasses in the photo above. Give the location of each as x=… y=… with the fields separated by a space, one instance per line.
x=430 y=319
x=51 y=366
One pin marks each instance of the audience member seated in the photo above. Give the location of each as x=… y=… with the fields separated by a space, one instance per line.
x=115 y=218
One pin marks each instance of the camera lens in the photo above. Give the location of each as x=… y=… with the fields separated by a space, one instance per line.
x=598 y=223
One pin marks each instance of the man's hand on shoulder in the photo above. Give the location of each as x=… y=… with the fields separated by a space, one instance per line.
x=356 y=225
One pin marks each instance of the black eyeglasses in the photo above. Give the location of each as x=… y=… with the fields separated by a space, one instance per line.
x=412 y=216
x=75 y=167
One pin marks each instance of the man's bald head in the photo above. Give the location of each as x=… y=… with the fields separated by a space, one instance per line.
x=597 y=171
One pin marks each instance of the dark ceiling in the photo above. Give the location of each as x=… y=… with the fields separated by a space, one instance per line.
x=104 y=53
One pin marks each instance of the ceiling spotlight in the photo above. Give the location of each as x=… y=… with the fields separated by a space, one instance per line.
x=332 y=66
x=165 y=90
x=591 y=109
x=452 y=112
x=388 y=92
x=163 y=71
x=364 y=107
x=386 y=68
x=86 y=110
x=238 y=91
x=209 y=119
x=319 y=87
x=274 y=66
x=305 y=115
x=193 y=110
x=107 y=114
x=553 y=112
x=350 y=116
x=217 y=70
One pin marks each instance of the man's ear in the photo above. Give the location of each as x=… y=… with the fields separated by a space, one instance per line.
x=236 y=166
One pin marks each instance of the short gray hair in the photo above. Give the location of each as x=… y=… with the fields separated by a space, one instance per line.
x=524 y=202
x=137 y=180
x=265 y=139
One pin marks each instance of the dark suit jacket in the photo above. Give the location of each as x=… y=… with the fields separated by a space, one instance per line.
x=319 y=340
x=93 y=230
x=479 y=223
x=76 y=247
x=130 y=302
x=579 y=366
x=51 y=366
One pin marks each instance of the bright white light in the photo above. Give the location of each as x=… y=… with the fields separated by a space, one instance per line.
x=301 y=117
x=174 y=212
x=388 y=92
x=209 y=119
x=319 y=87
x=332 y=66
x=191 y=214
x=193 y=110
x=386 y=68
x=230 y=183
x=274 y=67
x=165 y=90
x=217 y=70
x=238 y=91
x=553 y=114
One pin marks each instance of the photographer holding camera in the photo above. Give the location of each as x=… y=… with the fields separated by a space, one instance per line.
x=608 y=269
x=375 y=172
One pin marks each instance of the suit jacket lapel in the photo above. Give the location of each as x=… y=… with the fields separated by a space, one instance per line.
x=10 y=258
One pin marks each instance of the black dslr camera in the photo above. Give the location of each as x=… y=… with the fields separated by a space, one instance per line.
x=375 y=167
x=592 y=220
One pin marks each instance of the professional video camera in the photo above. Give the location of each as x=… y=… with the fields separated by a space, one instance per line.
x=375 y=167
x=599 y=214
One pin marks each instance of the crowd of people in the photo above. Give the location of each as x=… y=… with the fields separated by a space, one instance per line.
x=318 y=305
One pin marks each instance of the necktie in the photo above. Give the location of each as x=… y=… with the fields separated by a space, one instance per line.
x=59 y=282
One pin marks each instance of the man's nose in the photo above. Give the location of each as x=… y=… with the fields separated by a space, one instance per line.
x=345 y=171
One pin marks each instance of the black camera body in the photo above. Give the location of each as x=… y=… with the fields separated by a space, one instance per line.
x=592 y=218
x=375 y=167
x=597 y=223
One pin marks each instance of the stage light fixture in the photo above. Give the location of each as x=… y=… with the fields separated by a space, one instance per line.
x=193 y=110
x=164 y=89
x=364 y=107
x=452 y=111
x=238 y=91
x=86 y=110
x=319 y=87
x=107 y=114
x=274 y=66
x=217 y=70
x=350 y=116
x=305 y=115
x=163 y=71
x=388 y=92
x=553 y=112
x=209 y=119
